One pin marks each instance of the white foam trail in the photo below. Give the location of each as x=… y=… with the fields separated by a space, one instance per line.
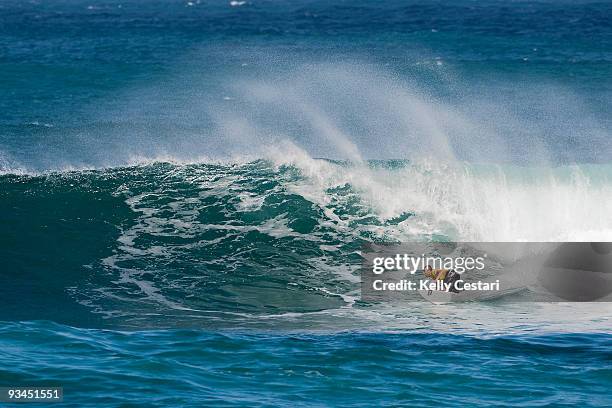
x=471 y=203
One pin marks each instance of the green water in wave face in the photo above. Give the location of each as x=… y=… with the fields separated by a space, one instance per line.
x=172 y=241
x=212 y=245
x=237 y=280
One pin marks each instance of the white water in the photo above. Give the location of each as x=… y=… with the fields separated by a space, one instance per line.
x=471 y=203
x=295 y=112
x=358 y=112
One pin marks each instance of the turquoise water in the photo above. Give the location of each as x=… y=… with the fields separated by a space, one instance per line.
x=189 y=368
x=185 y=188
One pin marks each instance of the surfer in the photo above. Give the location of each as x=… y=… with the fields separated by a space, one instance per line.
x=448 y=276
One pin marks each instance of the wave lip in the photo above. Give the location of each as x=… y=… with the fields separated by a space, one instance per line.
x=262 y=243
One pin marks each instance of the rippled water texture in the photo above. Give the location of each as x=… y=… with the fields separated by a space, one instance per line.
x=185 y=188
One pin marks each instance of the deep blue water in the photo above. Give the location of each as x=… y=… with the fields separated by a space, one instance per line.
x=185 y=188
x=194 y=368
x=99 y=83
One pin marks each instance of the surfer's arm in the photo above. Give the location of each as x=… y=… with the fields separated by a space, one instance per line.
x=439 y=274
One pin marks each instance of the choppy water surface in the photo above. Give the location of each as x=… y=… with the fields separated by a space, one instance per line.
x=185 y=188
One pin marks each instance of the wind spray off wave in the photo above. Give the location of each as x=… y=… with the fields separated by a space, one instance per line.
x=186 y=188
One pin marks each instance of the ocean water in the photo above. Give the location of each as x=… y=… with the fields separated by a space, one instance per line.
x=185 y=188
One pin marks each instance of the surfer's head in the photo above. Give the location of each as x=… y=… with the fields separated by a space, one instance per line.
x=428 y=270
